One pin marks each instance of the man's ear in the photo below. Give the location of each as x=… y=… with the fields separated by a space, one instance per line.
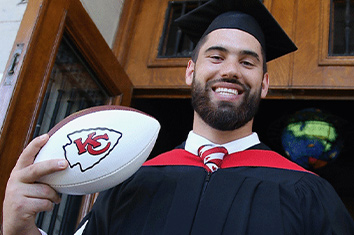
x=265 y=85
x=189 y=72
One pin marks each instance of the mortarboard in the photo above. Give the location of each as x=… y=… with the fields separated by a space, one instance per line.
x=250 y=16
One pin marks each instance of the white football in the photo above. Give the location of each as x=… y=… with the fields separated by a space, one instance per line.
x=104 y=146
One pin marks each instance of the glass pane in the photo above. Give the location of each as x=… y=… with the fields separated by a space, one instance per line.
x=173 y=42
x=72 y=87
x=341 y=36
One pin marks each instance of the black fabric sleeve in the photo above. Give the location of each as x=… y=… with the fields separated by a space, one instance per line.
x=323 y=212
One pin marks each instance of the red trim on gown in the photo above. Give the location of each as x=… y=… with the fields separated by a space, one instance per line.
x=247 y=158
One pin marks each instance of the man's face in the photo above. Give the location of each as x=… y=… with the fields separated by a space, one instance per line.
x=227 y=79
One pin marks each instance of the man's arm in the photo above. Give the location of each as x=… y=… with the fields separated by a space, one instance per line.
x=24 y=198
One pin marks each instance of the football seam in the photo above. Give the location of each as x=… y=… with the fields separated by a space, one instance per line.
x=111 y=173
x=91 y=111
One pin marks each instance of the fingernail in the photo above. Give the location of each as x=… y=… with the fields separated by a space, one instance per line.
x=62 y=163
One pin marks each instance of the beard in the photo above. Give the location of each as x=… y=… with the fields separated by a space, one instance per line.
x=223 y=115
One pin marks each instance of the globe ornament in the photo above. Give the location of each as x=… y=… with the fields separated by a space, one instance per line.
x=311 y=139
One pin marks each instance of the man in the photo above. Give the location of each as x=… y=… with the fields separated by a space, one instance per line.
x=247 y=189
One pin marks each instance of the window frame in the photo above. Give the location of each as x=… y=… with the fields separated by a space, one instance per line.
x=324 y=58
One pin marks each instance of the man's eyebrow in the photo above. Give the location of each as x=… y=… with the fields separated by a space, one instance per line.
x=250 y=53
x=216 y=48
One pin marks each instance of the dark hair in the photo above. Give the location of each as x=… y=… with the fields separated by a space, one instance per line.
x=196 y=50
x=201 y=42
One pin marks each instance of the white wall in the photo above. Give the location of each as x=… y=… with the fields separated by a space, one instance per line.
x=105 y=14
x=11 y=13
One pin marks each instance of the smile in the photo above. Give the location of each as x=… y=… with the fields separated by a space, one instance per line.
x=226 y=91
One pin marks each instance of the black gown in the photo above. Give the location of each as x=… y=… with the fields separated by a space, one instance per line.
x=174 y=194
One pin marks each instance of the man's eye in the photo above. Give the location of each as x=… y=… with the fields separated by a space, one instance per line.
x=247 y=63
x=216 y=57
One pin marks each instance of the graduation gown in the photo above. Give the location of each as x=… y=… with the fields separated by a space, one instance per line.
x=174 y=194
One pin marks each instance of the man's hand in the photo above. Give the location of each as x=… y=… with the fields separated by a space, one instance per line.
x=24 y=198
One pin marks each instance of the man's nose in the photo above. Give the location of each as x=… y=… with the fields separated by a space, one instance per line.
x=230 y=69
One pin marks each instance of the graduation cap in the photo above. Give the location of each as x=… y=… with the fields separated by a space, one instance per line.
x=250 y=16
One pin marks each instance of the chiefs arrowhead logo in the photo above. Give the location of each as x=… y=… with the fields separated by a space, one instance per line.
x=89 y=147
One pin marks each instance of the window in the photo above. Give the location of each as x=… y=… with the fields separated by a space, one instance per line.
x=174 y=43
x=341 y=33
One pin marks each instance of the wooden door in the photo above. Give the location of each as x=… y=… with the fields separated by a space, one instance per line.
x=29 y=74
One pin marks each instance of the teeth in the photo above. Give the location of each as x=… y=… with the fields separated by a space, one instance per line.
x=226 y=91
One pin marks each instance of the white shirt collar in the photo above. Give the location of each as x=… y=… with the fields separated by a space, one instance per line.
x=194 y=141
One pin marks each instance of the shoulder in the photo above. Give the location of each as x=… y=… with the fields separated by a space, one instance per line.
x=260 y=146
x=256 y=157
x=175 y=157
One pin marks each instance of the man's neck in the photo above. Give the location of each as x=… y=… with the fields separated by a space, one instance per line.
x=217 y=136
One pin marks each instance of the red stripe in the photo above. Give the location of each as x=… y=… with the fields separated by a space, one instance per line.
x=175 y=157
x=260 y=158
x=250 y=158
x=212 y=150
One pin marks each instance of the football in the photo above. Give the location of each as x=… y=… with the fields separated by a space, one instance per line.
x=103 y=145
